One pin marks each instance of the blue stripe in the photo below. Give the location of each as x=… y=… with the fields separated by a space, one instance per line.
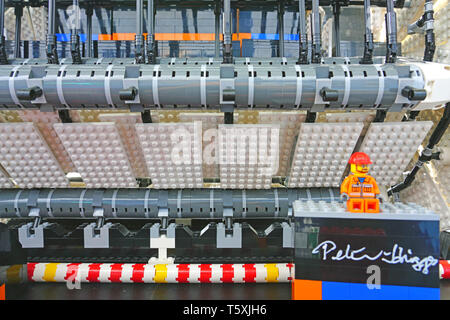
x=65 y=37
x=360 y=291
x=273 y=36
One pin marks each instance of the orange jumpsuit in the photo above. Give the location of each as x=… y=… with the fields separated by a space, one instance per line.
x=362 y=195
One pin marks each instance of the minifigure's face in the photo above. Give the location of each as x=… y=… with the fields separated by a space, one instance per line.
x=360 y=168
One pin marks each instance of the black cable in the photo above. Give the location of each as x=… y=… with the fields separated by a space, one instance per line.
x=310 y=117
x=427 y=153
x=368 y=36
x=380 y=116
x=229 y=118
x=302 y=36
x=146 y=116
x=64 y=115
x=391 y=32
x=430 y=41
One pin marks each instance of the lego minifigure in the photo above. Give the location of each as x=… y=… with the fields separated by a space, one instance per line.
x=359 y=189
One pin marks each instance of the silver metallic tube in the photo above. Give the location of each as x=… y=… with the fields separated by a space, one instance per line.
x=191 y=85
x=227 y=53
x=217 y=10
x=315 y=32
x=146 y=203
x=89 y=13
x=18 y=10
x=151 y=52
x=2 y=16
x=281 y=28
x=139 y=43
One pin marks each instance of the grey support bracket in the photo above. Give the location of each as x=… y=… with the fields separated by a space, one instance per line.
x=97 y=203
x=163 y=206
x=227 y=88
x=95 y=237
x=31 y=236
x=225 y=240
x=288 y=235
x=227 y=197
x=323 y=86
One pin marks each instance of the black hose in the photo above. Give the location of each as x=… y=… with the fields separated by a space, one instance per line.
x=427 y=154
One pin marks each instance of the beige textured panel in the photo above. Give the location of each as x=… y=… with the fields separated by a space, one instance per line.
x=248 y=155
x=97 y=153
x=44 y=122
x=322 y=153
x=173 y=153
x=289 y=123
x=125 y=123
x=391 y=145
x=363 y=117
x=209 y=120
x=27 y=158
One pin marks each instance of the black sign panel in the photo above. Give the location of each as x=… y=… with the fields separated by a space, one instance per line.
x=341 y=250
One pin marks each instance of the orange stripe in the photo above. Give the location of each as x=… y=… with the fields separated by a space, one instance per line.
x=2 y=292
x=173 y=36
x=306 y=290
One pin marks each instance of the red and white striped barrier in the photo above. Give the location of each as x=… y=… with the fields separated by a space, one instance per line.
x=160 y=273
x=444 y=269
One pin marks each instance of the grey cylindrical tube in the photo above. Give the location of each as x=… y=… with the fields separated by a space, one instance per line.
x=2 y=16
x=18 y=10
x=51 y=17
x=281 y=28
x=226 y=22
x=315 y=32
x=217 y=11
x=89 y=13
x=336 y=27
x=76 y=8
x=303 y=37
x=150 y=19
x=139 y=19
x=146 y=203
x=151 y=54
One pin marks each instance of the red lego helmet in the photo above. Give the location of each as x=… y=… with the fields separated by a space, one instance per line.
x=359 y=158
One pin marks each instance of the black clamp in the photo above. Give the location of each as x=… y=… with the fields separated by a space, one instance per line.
x=30 y=93
x=414 y=94
x=128 y=94
x=328 y=94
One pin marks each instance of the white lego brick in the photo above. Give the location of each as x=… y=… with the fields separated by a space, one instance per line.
x=125 y=123
x=437 y=82
x=27 y=158
x=248 y=155
x=321 y=154
x=289 y=123
x=173 y=153
x=391 y=146
x=335 y=209
x=44 y=122
x=97 y=153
